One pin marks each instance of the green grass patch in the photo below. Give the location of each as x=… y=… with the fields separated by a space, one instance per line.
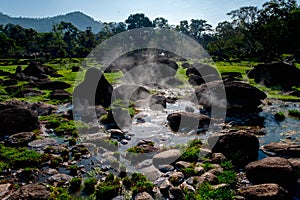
x=294 y=113
x=113 y=77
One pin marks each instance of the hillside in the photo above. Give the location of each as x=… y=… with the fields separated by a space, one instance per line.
x=79 y=19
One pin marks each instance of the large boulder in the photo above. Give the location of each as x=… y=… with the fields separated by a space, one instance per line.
x=95 y=89
x=269 y=191
x=240 y=97
x=240 y=147
x=272 y=170
x=130 y=92
x=20 y=139
x=53 y=85
x=38 y=70
x=31 y=192
x=185 y=121
x=276 y=74
x=282 y=149
x=166 y=157
x=15 y=120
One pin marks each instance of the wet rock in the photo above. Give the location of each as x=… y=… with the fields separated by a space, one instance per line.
x=60 y=94
x=241 y=147
x=145 y=163
x=272 y=170
x=267 y=191
x=196 y=79
x=176 y=193
x=164 y=188
x=38 y=70
x=59 y=179
x=296 y=164
x=124 y=142
x=206 y=178
x=94 y=90
x=185 y=65
x=158 y=102
x=20 y=139
x=130 y=92
x=5 y=189
x=276 y=74
x=75 y=69
x=143 y=196
x=231 y=76
x=218 y=158
x=165 y=168
x=51 y=171
x=184 y=121
x=240 y=97
x=31 y=192
x=15 y=120
x=166 y=157
x=282 y=149
x=117 y=134
x=182 y=164
x=42 y=143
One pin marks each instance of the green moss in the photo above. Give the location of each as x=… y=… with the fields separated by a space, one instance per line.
x=59 y=193
x=19 y=157
x=207 y=166
x=113 y=77
x=228 y=177
x=294 y=113
x=206 y=191
x=75 y=184
x=89 y=185
x=109 y=188
x=191 y=154
x=138 y=183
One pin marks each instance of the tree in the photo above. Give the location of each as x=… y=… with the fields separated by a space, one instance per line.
x=160 y=22
x=138 y=20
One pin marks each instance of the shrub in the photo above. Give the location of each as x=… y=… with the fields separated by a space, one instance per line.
x=192 y=153
x=228 y=177
x=108 y=189
x=138 y=183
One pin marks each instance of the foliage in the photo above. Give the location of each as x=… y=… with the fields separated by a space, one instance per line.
x=294 y=113
x=191 y=154
x=19 y=157
x=75 y=184
x=138 y=183
x=109 y=188
x=89 y=185
x=279 y=116
x=59 y=193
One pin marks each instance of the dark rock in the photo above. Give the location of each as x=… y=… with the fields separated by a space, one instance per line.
x=143 y=196
x=269 y=191
x=176 y=178
x=117 y=134
x=5 y=189
x=276 y=74
x=164 y=188
x=59 y=179
x=240 y=97
x=182 y=165
x=272 y=170
x=231 y=76
x=15 y=120
x=240 y=147
x=176 y=193
x=20 y=139
x=206 y=178
x=196 y=79
x=282 y=149
x=184 y=121
x=10 y=82
x=165 y=168
x=218 y=158
x=53 y=85
x=166 y=157
x=31 y=192
x=60 y=95
x=18 y=69
x=130 y=92
x=158 y=102
x=185 y=65
x=38 y=70
x=95 y=89
x=76 y=69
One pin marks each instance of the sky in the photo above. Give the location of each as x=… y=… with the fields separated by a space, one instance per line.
x=213 y=11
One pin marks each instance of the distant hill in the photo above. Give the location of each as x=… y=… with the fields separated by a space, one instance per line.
x=78 y=19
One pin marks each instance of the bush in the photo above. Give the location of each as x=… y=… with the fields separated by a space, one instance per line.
x=75 y=184
x=89 y=185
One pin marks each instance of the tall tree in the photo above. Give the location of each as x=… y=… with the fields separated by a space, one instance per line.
x=138 y=20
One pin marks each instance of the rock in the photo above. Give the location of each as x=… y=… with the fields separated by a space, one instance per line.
x=31 y=192
x=117 y=134
x=240 y=97
x=231 y=76
x=276 y=74
x=19 y=69
x=75 y=69
x=185 y=65
x=267 y=191
x=20 y=139
x=282 y=149
x=119 y=198
x=206 y=178
x=218 y=158
x=42 y=143
x=165 y=168
x=5 y=189
x=95 y=89
x=196 y=79
x=59 y=179
x=53 y=85
x=171 y=82
x=185 y=122
x=50 y=171
x=176 y=178
x=38 y=70
x=272 y=170
x=182 y=164
x=15 y=120
x=164 y=188
x=240 y=147
x=296 y=164
x=176 y=193
x=158 y=102
x=166 y=157
x=60 y=94
x=143 y=196
x=145 y=163
x=130 y=92
x=42 y=109
x=124 y=142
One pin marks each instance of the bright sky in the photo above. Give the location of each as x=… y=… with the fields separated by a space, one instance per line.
x=213 y=11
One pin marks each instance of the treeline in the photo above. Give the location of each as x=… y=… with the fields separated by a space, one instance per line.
x=265 y=34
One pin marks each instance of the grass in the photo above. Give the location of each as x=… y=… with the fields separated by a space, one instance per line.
x=191 y=154
x=294 y=113
x=109 y=188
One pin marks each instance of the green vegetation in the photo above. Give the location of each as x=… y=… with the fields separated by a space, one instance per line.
x=279 y=116
x=138 y=183
x=59 y=193
x=109 y=188
x=18 y=158
x=192 y=153
x=75 y=184
x=89 y=185
x=294 y=113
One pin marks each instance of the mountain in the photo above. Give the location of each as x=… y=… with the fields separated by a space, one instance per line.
x=78 y=19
